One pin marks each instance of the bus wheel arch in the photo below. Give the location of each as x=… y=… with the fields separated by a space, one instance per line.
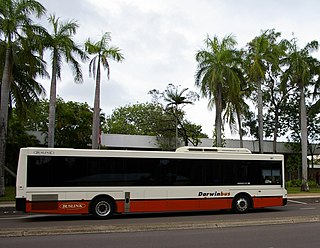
x=102 y=207
x=242 y=203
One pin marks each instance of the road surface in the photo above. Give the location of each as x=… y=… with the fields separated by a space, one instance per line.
x=270 y=236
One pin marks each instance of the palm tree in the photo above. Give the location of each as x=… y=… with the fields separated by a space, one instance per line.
x=257 y=70
x=24 y=89
x=238 y=90
x=102 y=52
x=15 y=25
x=174 y=98
x=302 y=69
x=61 y=44
x=262 y=54
x=216 y=69
x=236 y=108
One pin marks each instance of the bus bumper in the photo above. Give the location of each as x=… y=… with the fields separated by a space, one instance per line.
x=21 y=204
x=285 y=201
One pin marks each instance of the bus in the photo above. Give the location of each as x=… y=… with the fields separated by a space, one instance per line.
x=104 y=182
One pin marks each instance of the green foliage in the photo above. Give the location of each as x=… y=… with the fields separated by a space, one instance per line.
x=288 y=116
x=223 y=139
x=144 y=119
x=191 y=133
x=293 y=162
x=218 y=72
x=37 y=116
x=250 y=124
x=172 y=100
x=18 y=31
x=152 y=119
x=17 y=138
x=136 y=119
x=293 y=183
x=73 y=122
x=61 y=45
x=102 y=51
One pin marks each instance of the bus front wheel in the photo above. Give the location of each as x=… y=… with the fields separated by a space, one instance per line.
x=102 y=208
x=241 y=204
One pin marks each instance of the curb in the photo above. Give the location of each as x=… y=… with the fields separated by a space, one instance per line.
x=8 y=204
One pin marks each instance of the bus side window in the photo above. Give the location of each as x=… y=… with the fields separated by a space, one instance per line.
x=271 y=176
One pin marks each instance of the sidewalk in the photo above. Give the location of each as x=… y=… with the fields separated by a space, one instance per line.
x=7 y=204
x=303 y=195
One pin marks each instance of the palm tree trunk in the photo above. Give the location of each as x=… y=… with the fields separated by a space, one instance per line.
x=96 y=111
x=176 y=115
x=240 y=128
x=218 y=121
x=52 y=105
x=275 y=131
x=5 y=89
x=304 y=140
x=260 y=117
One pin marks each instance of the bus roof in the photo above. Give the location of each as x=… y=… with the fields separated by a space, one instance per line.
x=213 y=149
x=182 y=152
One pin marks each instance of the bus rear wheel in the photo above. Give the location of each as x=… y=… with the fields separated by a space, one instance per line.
x=241 y=204
x=102 y=208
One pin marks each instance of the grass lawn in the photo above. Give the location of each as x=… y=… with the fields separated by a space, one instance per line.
x=297 y=190
x=10 y=194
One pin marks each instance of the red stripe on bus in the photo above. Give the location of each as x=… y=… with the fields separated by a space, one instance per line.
x=65 y=207
x=193 y=204
x=160 y=205
x=261 y=202
x=179 y=205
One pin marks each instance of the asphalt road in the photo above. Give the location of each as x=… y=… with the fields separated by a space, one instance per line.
x=270 y=236
x=297 y=211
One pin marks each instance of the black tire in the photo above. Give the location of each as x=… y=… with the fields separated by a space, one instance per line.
x=102 y=208
x=241 y=204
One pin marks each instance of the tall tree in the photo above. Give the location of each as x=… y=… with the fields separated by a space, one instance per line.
x=15 y=25
x=102 y=52
x=173 y=101
x=61 y=44
x=236 y=108
x=27 y=66
x=238 y=91
x=277 y=97
x=216 y=69
x=262 y=55
x=175 y=98
x=302 y=70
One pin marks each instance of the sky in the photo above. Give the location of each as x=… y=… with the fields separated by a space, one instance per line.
x=159 y=40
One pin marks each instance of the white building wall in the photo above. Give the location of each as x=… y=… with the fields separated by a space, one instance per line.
x=123 y=141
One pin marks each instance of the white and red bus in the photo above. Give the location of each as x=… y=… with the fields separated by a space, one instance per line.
x=104 y=182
